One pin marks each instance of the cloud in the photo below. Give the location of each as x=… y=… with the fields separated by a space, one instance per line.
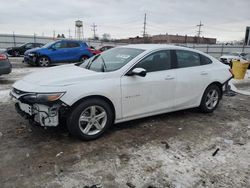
x=225 y=20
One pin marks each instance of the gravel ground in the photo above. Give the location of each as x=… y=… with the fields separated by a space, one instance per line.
x=180 y=149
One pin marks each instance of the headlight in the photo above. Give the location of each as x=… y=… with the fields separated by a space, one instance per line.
x=43 y=98
x=31 y=54
x=49 y=97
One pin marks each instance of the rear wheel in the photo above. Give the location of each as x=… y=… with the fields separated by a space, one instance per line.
x=90 y=119
x=43 y=61
x=210 y=99
x=83 y=58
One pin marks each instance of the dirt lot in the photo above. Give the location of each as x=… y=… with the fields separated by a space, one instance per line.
x=171 y=150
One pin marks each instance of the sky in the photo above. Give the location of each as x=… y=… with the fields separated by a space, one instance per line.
x=225 y=20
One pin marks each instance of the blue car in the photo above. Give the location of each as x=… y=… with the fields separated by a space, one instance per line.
x=58 y=52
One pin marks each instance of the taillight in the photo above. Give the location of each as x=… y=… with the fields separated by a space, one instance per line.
x=90 y=49
x=3 y=57
x=231 y=71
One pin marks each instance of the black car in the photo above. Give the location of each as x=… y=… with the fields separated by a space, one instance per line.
x=17 y=51
x=5 y=66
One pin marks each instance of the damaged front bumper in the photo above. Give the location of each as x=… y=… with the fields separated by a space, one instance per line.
x=43 y=113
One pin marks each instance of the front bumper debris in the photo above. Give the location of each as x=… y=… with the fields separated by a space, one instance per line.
x=43 y=114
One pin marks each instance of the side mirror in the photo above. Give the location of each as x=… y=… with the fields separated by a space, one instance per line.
x=138 y=72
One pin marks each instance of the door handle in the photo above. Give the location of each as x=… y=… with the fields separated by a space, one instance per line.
x=204 y=73
x=169 y=78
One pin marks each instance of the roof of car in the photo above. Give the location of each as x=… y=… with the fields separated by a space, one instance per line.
x=153 y=46
x=71 y=40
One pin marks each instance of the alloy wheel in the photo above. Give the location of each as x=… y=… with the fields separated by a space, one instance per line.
x=92 y=120
x=43 y=62
x=212 y=99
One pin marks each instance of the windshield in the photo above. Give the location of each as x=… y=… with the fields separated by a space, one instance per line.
x=48 y=44
x=21 y=45
x=111 y=60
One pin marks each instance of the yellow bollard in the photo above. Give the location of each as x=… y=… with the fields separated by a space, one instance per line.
x=239 y=69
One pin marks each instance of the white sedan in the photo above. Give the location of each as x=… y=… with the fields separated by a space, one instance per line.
x=121 y=84
x=227 y=58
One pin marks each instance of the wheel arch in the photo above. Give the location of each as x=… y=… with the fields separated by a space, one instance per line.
x=83 y=55
x=42 y=55
x=96 y=97
x=220 y=86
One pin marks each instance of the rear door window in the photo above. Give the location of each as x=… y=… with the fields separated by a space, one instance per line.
x=157 y=61
x=73 y=44
x=187 y=59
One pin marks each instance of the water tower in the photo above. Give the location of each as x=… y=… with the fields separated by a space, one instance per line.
x=78 y=29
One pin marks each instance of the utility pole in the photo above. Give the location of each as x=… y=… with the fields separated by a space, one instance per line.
x=54 y=34
x=144 y=26
x=248 y=41
x=94 y=29
x=199 y=31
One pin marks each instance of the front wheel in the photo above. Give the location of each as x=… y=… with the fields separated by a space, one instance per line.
x=210 y=99
x=90 y=119
x=43 y=61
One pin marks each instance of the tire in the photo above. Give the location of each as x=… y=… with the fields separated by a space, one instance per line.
x=83 y=58
x=43 y=61
x=82 y=121
x=210 y=99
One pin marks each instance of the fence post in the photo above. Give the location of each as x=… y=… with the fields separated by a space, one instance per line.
x=207 y=48
x=222 y=49
x=14 y=39
x=243 y=47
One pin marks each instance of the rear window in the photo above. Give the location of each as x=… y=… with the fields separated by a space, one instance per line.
x=205 y=60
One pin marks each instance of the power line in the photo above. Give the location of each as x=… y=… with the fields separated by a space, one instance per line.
x=94 y=29
x=199 y=31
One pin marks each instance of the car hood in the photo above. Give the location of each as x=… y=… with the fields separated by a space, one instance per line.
x=229 y=56
x=60 y=76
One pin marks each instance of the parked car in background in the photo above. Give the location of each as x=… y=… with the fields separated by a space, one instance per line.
x=121 y=84
x=104 y=48
x=100 y=50
x=94 y=51
x=58 y=52
x=227 y=58
x=5 y=65
x=17 y=51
